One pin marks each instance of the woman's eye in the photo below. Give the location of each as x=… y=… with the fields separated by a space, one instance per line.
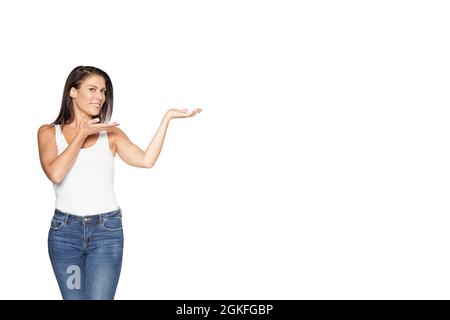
x=92 y=89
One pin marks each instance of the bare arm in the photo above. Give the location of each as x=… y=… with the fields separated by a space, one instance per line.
x=56 y=167
x=155 y=146
x=134 y=156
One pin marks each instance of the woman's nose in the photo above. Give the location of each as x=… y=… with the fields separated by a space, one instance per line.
x=99 y=96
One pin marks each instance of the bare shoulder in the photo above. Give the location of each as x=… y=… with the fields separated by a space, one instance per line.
x=116 y=133
x=115 y=136
x=46 y=142
x=46 y=130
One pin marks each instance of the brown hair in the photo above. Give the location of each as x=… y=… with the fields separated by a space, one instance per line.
x=74 y=80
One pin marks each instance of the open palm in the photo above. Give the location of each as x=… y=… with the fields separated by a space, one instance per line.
x=182 y=113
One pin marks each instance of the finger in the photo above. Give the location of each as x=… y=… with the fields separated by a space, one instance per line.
x=112 y=124
x=105 y=125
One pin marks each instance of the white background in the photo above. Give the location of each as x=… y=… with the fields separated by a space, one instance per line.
x=318 y=168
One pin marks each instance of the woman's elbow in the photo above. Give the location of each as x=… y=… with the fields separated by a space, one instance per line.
x=148 y=166
x=55 y=178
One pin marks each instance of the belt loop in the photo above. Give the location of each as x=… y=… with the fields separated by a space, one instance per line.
x=100 y=219
x=66 y=218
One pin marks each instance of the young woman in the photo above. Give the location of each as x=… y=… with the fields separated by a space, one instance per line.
x=77 y=153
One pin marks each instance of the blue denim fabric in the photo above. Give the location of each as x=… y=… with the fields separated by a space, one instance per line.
x=86 y=254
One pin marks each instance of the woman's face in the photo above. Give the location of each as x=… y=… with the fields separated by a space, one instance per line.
x=91 y=95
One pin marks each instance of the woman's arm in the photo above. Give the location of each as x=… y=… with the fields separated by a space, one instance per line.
x=56 y=167
x=133 y=155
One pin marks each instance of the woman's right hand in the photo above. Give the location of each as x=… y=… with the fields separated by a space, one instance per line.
x=92 y=126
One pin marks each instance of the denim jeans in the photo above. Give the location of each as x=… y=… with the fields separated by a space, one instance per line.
x=86 y=254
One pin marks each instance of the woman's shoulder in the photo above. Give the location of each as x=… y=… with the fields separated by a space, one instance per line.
x=46 y=129
x=115 y=131
x=114 y=134
x=46 y=134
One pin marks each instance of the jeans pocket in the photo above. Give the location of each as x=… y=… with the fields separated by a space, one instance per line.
x=112 y=224
x=56 y=223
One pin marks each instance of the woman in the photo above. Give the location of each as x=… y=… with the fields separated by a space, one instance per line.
x=77 y=152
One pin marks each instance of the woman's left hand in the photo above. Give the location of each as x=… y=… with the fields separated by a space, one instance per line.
x=181 y=113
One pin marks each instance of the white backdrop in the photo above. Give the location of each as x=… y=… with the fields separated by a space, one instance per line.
x=318 y=168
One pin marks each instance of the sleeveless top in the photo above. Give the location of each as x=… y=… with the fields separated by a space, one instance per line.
x=87 y=189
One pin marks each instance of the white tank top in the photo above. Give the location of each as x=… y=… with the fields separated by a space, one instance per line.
x=87 y=189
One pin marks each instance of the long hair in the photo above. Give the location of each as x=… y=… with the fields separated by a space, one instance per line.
x=74 y=80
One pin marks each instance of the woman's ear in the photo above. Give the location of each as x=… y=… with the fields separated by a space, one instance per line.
x=73 y=93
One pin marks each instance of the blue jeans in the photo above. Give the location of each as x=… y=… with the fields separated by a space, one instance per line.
x=86 y=254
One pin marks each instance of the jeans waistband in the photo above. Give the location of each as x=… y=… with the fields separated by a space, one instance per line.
x=94 y=219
